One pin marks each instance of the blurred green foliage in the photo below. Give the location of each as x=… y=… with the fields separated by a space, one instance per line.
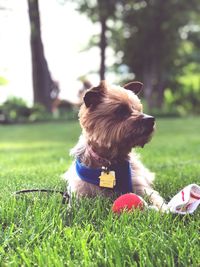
x=156 y=42
x=3 y=80
x=16 y=110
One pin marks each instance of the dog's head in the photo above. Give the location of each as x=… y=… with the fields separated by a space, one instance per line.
x=112 y=117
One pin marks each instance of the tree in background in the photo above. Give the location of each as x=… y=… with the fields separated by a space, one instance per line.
x=147 y=35
x=188 y=98
x=99 y=11
x=151 y=42
x=44 y=88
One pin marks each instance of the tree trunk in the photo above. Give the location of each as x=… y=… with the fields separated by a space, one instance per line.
x=42 y=82
x=103 y=44
x=148 y=79
x=160 y=94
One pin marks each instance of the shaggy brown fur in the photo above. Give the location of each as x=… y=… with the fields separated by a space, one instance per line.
x=113 y=123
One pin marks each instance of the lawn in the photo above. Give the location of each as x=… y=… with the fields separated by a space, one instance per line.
x=37 y=230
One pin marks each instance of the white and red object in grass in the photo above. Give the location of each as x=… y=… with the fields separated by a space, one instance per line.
x=128 y=202
x=186 y=201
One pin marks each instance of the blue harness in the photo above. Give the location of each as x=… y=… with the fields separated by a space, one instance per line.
x=122 y=175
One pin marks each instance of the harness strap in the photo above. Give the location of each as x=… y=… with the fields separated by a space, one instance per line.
x=65 y=195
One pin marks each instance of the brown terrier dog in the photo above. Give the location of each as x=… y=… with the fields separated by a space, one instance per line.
x=113 y=123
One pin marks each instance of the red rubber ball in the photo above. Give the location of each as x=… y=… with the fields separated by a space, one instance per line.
x=127 y=202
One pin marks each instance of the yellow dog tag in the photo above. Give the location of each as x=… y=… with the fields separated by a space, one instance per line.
x=107 y=179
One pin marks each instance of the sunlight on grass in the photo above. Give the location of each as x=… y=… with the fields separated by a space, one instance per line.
x=37 y=229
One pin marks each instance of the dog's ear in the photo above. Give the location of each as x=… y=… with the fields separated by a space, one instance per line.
x=93 y=96
x=135 y=87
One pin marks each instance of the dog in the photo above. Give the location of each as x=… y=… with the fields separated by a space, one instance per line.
x=113 y=123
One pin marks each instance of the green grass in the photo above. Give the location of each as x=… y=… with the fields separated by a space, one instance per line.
x=37 y=230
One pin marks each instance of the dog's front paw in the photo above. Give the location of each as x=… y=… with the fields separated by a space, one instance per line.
x=152 y=207
x=164 y=208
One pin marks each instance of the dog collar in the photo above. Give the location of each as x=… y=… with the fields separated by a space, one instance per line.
x=122 y=173
x=103 y=161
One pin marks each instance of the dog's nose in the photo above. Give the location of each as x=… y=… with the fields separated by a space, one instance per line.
x=148 y=118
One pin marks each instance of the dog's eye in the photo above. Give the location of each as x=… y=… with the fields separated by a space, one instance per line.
x=122 y=111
